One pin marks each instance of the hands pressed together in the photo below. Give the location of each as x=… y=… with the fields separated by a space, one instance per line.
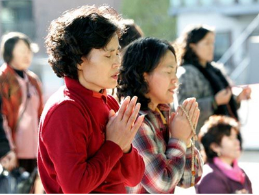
x=123 y=126
x=180 y=127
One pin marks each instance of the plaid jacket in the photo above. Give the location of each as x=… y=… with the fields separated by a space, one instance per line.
x=12 y=95
x=167 y=161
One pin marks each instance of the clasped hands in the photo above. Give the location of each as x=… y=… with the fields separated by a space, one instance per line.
x=179 y=124
x=124 y=124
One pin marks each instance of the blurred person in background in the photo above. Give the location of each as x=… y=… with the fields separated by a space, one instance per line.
x=132 y=33
x=22 y=103
x=164 y=140
x=85 y=137
x=204 y=79
x=222 y=174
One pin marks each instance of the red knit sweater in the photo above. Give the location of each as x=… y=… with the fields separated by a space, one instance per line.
x=73 y=155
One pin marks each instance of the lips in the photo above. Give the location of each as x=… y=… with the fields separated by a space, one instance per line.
x=115 y=76
x=172 y=90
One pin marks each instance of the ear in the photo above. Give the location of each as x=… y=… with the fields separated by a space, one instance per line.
x=84 y=59
x=193 y=46
x=145 y=75
x=215 y=147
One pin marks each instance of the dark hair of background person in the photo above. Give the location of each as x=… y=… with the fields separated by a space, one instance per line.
x=141 y=56
x=8 y=43
x=193 y=35
x=75 y=33
x=132 y=32
x=213 y=131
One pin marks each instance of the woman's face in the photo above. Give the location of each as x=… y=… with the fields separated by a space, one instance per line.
x=229 y=148
x=162 y=81
x=204 y=49
x=22 y=56
x=100 y=68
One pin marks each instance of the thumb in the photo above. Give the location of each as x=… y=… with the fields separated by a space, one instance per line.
x=111 y=113
x=172 y=116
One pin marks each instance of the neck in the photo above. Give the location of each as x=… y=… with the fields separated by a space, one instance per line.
x=226 y=160
x=203 y=63
x=19 y=72
x=152 y=106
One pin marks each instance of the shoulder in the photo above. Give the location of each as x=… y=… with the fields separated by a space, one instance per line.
x=59 y=102
x=219 y=66
x=211 y=174
x=187 y=70
x=32 y=75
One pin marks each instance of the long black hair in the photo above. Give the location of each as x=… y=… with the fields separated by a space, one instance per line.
x=141 y=56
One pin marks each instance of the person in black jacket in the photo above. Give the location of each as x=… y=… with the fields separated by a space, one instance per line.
x=7 y=156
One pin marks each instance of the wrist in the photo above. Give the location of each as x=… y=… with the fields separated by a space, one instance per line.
x=214 y=103
x=188 y=145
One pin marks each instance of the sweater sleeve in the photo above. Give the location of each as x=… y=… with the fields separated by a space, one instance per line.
x=132 y=172
x=4 y=144
x=65 y=136
x=198 y=167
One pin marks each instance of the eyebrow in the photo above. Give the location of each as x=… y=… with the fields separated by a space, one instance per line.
x=111 y=50
x=170 y=66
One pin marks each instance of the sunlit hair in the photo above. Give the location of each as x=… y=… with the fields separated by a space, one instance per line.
x=141 y=56
x=132 y=33
x=214 y=129
x=78 y=31
x=192 y=34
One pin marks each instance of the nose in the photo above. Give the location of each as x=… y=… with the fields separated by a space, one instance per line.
x=174 y=79
x=117 y=61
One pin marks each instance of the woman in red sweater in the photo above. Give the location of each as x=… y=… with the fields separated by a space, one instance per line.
x=84 y=137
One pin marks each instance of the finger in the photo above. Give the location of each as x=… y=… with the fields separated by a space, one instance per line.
x=179 y=111
x=123 y=107
x=129 y=109
x=172 y=117
x=192 y=111
x=196 y=117
x=137 y=124
x=111 y=113
x=133 y=116
x=189 y=106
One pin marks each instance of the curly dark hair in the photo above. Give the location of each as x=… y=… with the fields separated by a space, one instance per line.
x=192 y=35
x=141 y=56
x=75 y=33
x=213 y=131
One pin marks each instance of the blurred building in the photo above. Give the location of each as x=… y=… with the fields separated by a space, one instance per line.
x=33 y=18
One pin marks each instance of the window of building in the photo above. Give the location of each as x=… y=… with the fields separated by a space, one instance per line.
x=17 y=16
x=222 y=43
